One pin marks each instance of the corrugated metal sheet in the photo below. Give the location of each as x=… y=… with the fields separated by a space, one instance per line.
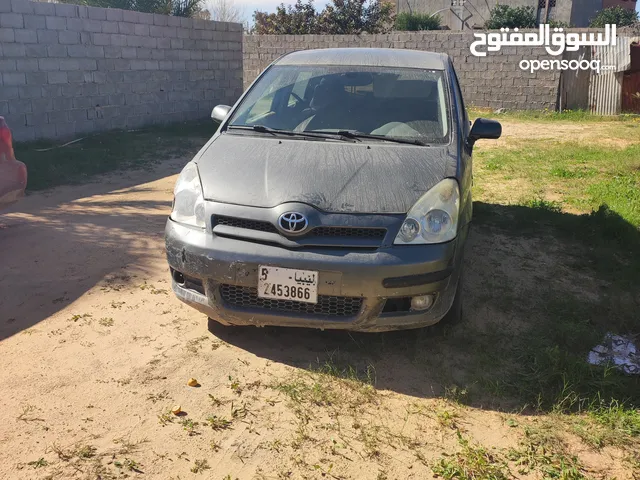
x=605 y=92
x=605 y=89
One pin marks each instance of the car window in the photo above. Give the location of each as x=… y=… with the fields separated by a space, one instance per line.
x=462 y=112
x=394 y=102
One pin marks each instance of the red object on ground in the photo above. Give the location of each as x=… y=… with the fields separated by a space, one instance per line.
x=13 y=174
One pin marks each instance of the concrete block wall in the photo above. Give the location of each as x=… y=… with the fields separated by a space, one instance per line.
x=494 y=81
x=67 y=69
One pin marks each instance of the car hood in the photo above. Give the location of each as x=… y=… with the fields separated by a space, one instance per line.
x=332 y=176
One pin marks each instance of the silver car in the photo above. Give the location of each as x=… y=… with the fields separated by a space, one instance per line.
x=336 y=193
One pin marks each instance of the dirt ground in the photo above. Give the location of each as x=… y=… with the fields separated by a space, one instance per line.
x=96 y=350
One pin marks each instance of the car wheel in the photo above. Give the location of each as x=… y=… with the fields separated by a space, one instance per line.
x=454 y=314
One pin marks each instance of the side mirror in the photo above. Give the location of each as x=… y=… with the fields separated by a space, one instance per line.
x=485 y=128
x=219 y=113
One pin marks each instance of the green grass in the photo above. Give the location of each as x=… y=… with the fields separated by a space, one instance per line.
x=587 y=176
x=109 y=151
x=551 y=116
x=471 y=462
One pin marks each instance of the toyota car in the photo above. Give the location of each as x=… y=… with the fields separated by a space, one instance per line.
x=336 y=193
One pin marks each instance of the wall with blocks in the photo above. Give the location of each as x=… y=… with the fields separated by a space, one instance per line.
x=493 y=81
x=69 y=69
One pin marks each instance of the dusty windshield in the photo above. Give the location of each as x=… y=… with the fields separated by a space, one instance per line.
x=381 y=101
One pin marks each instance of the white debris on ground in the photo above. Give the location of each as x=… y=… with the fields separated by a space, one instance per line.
x=617 y=350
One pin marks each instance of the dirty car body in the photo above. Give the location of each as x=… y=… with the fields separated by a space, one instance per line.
x=336 y=193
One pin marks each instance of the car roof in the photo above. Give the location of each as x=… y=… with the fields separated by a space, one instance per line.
x=375 y=57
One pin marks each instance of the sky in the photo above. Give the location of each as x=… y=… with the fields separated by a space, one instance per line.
x=250 y=6
x=269 y=6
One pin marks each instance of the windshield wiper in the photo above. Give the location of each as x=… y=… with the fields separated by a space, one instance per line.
x=275 y=131
x=356 y=135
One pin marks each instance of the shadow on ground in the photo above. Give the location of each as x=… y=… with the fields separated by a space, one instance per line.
x=542 y=288
x=57 y=245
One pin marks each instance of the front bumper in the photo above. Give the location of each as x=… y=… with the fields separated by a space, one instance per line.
x=375 y=276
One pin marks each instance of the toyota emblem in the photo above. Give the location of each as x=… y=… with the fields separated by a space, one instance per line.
x=293 y=222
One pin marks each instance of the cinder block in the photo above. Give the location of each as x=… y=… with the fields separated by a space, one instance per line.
x=11 y=20
x=96 y=13
x=5 y=6
x=35 y=51
x=127 y=28
x=66 y=10
x=146 y=18
x=37 y=118
x=88 y=64
x=101 y=39
x=57 y=77
x=114 y=15
x=160 y=19
x=34 y=22
x=78 y=115
x=64 y=130
x=129 y=52
x=69 y=64
x=7 y=65
x=66 y=37
x=56 y=23
x=26 y=36
x=112 y=52
x=62 y=104
x=14 y=50
x=27 y=65
x=48 y=36
x=143 y=53
x=10 y=79
x=141 y=29
x=36 y=78
x=57 y=51
x=109 y=27
x=130 y=16
x=19 y=106
x=7 y=35
x=30 y=91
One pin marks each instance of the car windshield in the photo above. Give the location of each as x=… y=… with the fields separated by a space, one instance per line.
x=388 y=102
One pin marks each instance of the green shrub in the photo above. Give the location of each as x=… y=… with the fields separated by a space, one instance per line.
x=614 y=15
x=511 y=17
x=417 y=21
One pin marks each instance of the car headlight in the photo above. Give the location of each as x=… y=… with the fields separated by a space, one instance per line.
x=434 y=218
x=188 y=201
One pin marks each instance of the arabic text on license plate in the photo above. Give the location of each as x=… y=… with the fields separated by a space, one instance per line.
x=288 y=284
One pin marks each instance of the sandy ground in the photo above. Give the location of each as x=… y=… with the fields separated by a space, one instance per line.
x=96 y=350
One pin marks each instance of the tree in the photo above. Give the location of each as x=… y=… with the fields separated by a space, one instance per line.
x=618 y=16
x=340 y=17
x=225 y=11
x=414 y=22
x=511 y=17
x=178 y=8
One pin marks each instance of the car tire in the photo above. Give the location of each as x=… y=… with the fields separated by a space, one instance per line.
x=454 y=315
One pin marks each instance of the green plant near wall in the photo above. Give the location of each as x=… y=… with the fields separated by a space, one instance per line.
x=178 y=8
x=511 y=17
x=414 y=22
x=614 y=15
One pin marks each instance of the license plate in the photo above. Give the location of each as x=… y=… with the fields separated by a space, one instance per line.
x=288 y=284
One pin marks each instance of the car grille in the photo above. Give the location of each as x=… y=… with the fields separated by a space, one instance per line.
x=262 y=226
x=349 y=232
x=244 y=223
x=328 y=305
